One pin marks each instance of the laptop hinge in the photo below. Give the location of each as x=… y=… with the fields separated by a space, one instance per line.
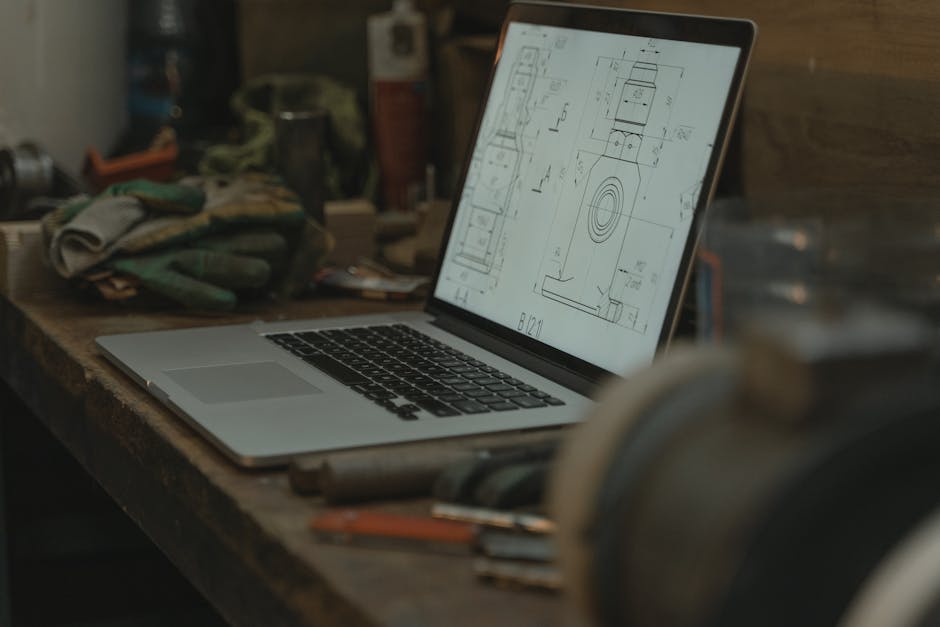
x=506 y=350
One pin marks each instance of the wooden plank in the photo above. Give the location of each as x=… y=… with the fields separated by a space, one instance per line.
x=840 y=129
x=325 y=37
x=891 y=37
x=241 y=537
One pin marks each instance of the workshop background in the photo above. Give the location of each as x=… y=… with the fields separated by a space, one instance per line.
x=841 y=94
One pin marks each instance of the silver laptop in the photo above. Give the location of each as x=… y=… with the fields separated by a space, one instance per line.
x=565 y=259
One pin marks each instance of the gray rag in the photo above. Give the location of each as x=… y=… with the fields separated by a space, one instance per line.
x=93 y=234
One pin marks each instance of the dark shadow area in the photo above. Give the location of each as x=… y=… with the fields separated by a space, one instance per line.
x=73 y=557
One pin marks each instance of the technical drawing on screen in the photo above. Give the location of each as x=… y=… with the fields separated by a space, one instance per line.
x=581 y=186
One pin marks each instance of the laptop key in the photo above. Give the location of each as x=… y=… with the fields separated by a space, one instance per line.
x=312 y=337
x=499 y=387
x=371 y=371
x=338 y=371
x=451 y=397
x=386 y=378
x=436 y=407
x=482 y=376
x=342 y=356
x=477 y=393
x=551 y=400
x=512 y=393
x=471 y=407
x=528 y=402
x=465 y=387
x=503 y=406
x=487 y=381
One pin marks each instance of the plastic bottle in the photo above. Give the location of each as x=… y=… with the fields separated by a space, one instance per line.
x=398 y=75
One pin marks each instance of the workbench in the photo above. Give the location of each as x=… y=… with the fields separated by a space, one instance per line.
x=240 y=537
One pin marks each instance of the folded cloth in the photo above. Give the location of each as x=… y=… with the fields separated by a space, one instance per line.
x=90 y=237
x=247 y=233
x=87 y=231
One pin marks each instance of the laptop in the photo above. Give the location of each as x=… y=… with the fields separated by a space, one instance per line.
x=564 y=261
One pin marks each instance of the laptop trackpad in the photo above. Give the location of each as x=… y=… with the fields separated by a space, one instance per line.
x=241 y=382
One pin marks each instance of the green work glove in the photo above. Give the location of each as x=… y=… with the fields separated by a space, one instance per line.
x=160 y=198
x=207 y=274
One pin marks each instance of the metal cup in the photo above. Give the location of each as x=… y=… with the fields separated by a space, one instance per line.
x=300 y=140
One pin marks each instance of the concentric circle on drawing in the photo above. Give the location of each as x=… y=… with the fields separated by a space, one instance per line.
x=605 y=209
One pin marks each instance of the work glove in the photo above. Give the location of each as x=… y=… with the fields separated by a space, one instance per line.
x=200 y=242
x=209 y=273
x=85 y=231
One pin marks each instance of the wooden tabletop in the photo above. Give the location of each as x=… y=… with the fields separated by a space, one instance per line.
x=239 y=536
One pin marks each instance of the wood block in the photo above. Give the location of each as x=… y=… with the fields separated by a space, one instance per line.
x=22 y=267
x=352 y=223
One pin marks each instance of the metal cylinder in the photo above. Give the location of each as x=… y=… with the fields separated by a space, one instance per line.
x=300 y=141
x=25 y=172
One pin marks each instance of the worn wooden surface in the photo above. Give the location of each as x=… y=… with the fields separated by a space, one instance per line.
x=239 y=536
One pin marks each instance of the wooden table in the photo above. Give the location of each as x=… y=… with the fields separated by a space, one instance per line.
x=239 y=536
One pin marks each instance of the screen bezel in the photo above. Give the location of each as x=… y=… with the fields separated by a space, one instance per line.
x=738 y=33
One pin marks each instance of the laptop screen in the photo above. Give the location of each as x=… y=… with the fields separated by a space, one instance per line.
x=584 y=176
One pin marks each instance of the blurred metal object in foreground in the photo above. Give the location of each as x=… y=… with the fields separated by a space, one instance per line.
x=757 y=484
x=905 y=589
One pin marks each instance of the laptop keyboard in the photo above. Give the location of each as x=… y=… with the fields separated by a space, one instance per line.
x=406 y=371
